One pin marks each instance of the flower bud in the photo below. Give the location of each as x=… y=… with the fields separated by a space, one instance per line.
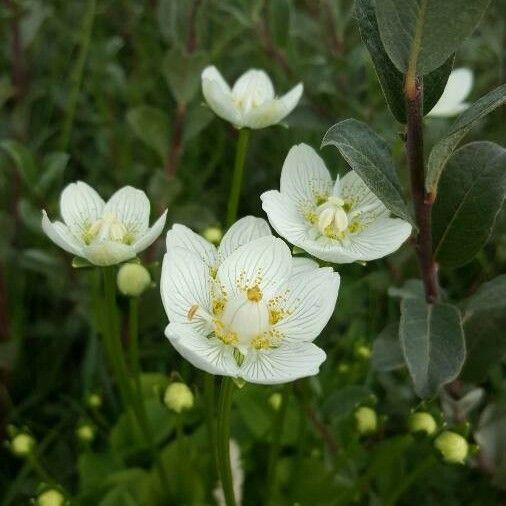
x=367 y=420
x=213 y=234
x=363 y=352
x=133 y=279
x=85 y=433
x=94 y=401
x=275 y=400
x=178 y=397
x=22 y=444
x=51 y=497
x=453 y=447
x=343 y=368
x=422 y=422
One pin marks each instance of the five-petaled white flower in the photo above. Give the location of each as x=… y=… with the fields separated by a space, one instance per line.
x=341 y=222
x=247 y=309
x=251 y=102
x=103 y=233
x=458 y=87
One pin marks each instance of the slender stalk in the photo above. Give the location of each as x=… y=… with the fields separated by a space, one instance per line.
x=422 y=201
x=235 y=190
x=209 y=398
x=39 y=470
x=133 y=342
x=225 y=470
x=277 y=431
x=76 y=76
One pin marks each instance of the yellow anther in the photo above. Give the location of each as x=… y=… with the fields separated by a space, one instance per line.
x=192 y=311
x=254 y=294
x=261 y=343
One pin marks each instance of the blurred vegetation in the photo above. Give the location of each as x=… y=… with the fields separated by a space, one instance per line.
x=109 y=92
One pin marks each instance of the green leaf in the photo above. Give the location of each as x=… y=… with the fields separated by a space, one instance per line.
x=151 y=126
x=432 y=341
x=343 y=401
x=391 y=80
x=22 y=159
x=386 y=350
x=443 y=150
x=490 y=296
x=54 y=166
x=369 y=156
x=471 y=194
x=182 y=73
x=426 y=32
x=411 y=289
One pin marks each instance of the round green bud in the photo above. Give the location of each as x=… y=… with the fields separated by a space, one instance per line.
x=133 y=279
x=275 y=400
x=94 y=401
x=51 y=497
x=213 y=234
x=178 y=397
x=453 y=447
x=343 y=368
x=367 y=420
x=85 y=433
x=363 y=352
x=22 y=444
x=422 y=422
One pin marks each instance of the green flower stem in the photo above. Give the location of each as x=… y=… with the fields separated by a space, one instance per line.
x=224 y=409
x=131 y=397
x=133 y=343
x=235 y=190
x=277 y=431
x=209 y=398
x=39 y=470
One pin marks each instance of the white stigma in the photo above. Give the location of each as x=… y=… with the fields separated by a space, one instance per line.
x=332 y=218
x=108 y=228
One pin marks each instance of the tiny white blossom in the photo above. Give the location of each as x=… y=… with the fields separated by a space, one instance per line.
x=246 y=309
x=452 y=101
x=251 y=102
x=340 y=222
x=103 y=233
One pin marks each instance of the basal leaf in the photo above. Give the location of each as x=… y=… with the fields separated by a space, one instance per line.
x=368 y=155
x=432 y=341
x=471 y=194
x=443 y=150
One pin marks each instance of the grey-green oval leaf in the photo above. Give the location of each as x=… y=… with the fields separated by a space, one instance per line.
x=443 y=150
x=426 y=31
x=471 y=194
x=432 y=342
x=390 y=78
x=369 y=156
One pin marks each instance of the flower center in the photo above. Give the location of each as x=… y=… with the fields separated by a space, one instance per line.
x=332 y=218
x=108 y=227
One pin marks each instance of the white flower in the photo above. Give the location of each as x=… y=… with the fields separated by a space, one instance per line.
x=339 y=222
x=458 y=87
x=251 y=102
x=103 y=233
x=247 y=309
x=237 y=477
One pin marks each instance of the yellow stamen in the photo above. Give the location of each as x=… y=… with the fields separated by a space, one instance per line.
x=192 y=311
x=254 y=294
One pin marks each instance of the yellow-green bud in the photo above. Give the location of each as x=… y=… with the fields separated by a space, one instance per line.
x=367 y=420
x=213 y=234
x=85 y=433
x=51 y=497
x=22 y=444
x=178 y=397
x=343 y=368
x=133 y=279
x=94 y=401
x=363 y=351
x=275 y=400
x=453 y=447
x=422 y=422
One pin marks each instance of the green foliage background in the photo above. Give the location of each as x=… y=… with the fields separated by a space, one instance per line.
x=109 y=92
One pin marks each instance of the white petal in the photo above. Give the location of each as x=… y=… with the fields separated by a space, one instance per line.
x=287 y=363
x=61 y=236
x=108 y=252
x=285 y=218
x=183 y=237
x=219 y=96
x=352 y=187
x=311 y=301
x=379 y=239
x=242 y=232
x=304 y=176
x=254 y=87
x=131 y=207
x=301 y=265
x=265 y=262
x=458 y=87
x=151 y=234
x=208 y=354
x=80 y=206
x=185 y=284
